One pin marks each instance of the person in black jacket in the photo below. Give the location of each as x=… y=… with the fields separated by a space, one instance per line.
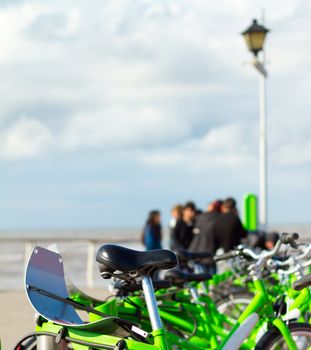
x=203 y=227
x=228 y=230
x=181 y=234
x=203 y=235
x=220 y=229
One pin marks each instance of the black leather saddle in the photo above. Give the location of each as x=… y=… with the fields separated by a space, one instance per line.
x=178 y=277
x=125 y=263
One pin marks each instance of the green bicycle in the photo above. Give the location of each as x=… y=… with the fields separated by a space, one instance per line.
x=59 y=320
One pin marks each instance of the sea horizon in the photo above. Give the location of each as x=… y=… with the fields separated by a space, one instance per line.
x=303 y=228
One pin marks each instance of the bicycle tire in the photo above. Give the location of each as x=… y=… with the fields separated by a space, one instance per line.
x=234 y=304
x=225 y=289
x=29 y=343
x=273 y=339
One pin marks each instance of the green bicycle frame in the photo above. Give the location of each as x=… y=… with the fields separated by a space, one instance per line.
x=261 y=303
x=104 y=339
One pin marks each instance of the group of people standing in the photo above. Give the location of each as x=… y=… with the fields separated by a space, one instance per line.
x=218 y=227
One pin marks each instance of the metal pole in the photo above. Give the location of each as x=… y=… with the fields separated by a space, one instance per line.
x=263 y=219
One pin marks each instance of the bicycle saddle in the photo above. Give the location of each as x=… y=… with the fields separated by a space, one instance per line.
x=191 y=256
x=125 y=263
x=179 y=277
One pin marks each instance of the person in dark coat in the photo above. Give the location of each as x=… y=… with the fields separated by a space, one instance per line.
x=181 y=234
x=222 y=229
x=203 y=227
x=203 y=234
x=228 y=230
x=152 y=232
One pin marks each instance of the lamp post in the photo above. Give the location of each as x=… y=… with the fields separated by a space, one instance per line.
x=254 y=37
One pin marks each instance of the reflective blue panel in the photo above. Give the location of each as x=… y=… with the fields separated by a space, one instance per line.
x=45 y=271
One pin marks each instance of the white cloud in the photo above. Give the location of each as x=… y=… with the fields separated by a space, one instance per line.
x=162 y=83
x=24 y=138
x=13 y=20
x=22 y=26
x=298 y=152
x=226 y=146
x=155 y=138
x=110 y=129
x=121 y=127
x=49 y=26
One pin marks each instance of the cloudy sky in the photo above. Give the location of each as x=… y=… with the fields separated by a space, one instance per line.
x=111 y=108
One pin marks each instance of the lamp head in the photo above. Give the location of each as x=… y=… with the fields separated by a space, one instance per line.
x=254 y=37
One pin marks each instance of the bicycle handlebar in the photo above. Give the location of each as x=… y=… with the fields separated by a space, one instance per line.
x=226 y=256
x=286 y=238
x=302 y=282
x=290 y=238
x=295 y=269
x=248 y=253
x=291 y=260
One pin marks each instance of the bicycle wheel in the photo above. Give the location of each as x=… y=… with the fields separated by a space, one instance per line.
x=234 y=304
x=30 y=343
x=273 y=339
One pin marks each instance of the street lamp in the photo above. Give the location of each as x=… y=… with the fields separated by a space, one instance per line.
x=254 y=37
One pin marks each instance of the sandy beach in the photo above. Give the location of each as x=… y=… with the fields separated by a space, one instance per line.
x=17 y=316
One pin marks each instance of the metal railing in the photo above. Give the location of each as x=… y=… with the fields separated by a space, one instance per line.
x=91 y=243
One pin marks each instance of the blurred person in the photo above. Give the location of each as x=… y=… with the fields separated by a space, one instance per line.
x=203 y=233
x=229 y=205
x=198 y=211
x=181 y=235
x=191 y=205
x=215 y=206
x=261 y=240
x=228 y=229
x=255 y=240
x=152 y=232
x=176 y=214
x=219 y=229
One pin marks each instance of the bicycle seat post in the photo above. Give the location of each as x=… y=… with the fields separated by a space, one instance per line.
x=198 y=268
x=46 y=342
x=151 y=303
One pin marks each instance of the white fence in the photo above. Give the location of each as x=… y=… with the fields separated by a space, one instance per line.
x=15 y=252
